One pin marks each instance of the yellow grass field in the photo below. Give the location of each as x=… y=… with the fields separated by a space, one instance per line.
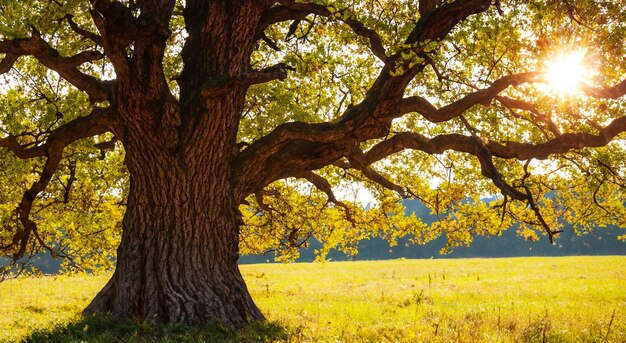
x=542 y=299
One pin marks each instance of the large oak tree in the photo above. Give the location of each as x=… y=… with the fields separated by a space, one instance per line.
x=237 y=122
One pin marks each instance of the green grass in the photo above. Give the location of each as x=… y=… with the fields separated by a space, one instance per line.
x=564 y=299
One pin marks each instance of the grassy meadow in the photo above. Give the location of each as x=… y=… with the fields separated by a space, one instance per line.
x=542 y=299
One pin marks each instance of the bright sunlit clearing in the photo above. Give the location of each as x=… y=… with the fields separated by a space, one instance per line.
x=566 y=73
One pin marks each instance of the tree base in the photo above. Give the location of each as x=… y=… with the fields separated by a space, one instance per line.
x=194 y=303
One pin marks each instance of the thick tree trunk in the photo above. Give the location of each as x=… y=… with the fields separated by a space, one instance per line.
x=177 y=260
x=178 y=257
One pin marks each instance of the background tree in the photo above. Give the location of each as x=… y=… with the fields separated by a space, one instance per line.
x=241 y=118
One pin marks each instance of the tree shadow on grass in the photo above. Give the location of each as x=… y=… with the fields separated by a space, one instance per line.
x=106 y=328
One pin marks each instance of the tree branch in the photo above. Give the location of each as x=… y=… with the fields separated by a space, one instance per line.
x=614 y=92
x=23 y=236
x=119 y=28
x=66 y=67
x=82 y=32
x=116 y=24
x=533 y=205
x=558 y=145
x=7 y=62
x=70 y=182
x=445 y=17
x=99 y=121
x=219 y=87
x=323 y=185
x=277 y=14
x=356 y=125
x=472 y=145
x=357 y=161
x=294 y=148
x=532 y=109
x=427 y=6
x=455 y=109
x=292 y=10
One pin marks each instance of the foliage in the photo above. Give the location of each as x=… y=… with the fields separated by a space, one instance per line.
x=332 y=69
x=565 y=299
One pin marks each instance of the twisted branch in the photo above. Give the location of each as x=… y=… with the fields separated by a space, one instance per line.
x=49 y=57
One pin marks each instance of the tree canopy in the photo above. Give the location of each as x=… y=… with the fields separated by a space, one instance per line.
x=463 y=117
x=444 y=101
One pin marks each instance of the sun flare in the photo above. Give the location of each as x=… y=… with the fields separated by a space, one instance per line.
x=566 y=73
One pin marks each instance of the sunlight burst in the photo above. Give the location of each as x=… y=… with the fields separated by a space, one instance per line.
x=566 y=73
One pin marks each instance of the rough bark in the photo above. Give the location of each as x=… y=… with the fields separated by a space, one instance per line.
x=178 y=257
